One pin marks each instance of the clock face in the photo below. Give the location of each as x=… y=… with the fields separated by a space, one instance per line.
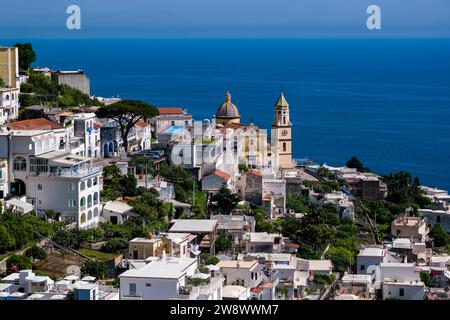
x=284 y=132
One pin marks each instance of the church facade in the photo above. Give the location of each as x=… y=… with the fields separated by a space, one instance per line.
x=257 y=151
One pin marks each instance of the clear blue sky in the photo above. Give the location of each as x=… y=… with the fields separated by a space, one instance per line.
x=224 y=18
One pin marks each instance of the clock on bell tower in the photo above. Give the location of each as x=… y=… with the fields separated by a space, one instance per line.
x=281 y=133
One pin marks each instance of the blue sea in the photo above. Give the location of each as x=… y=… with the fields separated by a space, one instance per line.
x=385 y=101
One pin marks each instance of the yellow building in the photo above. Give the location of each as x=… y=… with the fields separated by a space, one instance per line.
x=257 y=150
x=9 y=66
x=282 y=133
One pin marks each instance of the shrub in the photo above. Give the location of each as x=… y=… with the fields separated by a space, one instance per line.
x=19 y=261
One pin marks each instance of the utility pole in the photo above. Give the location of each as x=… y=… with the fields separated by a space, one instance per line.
x=193 y=192
x=146 y=163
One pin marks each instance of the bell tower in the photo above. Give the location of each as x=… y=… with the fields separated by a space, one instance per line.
x=281 y=133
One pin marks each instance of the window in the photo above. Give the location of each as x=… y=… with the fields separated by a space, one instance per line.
x=83 y=218
x=284 y=146
x=401 y=292
x=89 y=201
x=186 y=123
x=438 y=219
x=95 y=212
x=82 y=202
x=94 y=181
x=132 y=289
x=362 y=267
x=20 y=164
x=89 y=182
x=398 y=232
x=90 y=215
x=71 y=186
x=39 y=186
x=38 y=165
x=72 y=203
x=148 y=284
x=82 y=185
x=95 y=198
x=172 y=123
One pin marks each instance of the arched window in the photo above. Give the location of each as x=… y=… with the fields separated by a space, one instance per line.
x=90 y=215
x=83 y=218
x=20 y=164
x=89 y=183
x=89 y=201
x=284 y=146
x=95 y=212
x=82 y=185
x=82 y=202
x=95 y=198
x=7 y=97
x=94 y=181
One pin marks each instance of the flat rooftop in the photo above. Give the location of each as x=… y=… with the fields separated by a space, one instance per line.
x=237 y=264
x=166 y=268
x=372 y=252
x=193 y=226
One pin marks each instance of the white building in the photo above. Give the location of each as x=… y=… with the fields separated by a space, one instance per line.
x=9 y=93
x=27 y=282
x=400 y=281
x=9 y=104
x=263 y=242
x=160 y=279
x=171 y=117
x=52 y=179
x=87 y=132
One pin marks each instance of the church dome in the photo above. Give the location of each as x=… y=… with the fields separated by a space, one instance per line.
x=227 y=109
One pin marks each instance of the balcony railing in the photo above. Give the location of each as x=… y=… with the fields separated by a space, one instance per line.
x=131 y=295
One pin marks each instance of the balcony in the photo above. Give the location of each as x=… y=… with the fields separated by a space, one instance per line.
x=131 y=296
x=79 y=173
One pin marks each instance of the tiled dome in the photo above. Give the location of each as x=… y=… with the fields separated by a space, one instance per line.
x=227 y=109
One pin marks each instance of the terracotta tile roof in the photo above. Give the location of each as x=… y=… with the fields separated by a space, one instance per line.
x=291 y=245
x=142 y=124
x=170 y=111
x=255 y=172
x=219 y=173
x=35 y=124
x=256 y=290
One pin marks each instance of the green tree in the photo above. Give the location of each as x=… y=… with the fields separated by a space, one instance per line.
x=243 y=167
x=354 y=162
x=341 y=258
x=19 y=261
x=2 y=83
x=126 y=114
x=223 y=242
x=26 y=55
x=36 y=253
x=111 y=171
x=145 y=210
x=425 y=278
x=207 y=259
x=224 y=201
x=115 y=245
x=440 y=237
x=94 y=268
x=7 y=241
